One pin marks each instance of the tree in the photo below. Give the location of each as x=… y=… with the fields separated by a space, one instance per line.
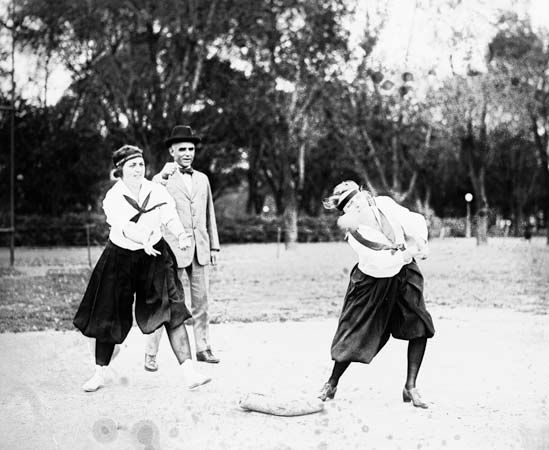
x=466 y=106
x=521 y=58
x=141 y=66
x=514 y=176
x=297 y=46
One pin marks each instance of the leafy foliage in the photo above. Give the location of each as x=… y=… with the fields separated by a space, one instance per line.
x=285 y=108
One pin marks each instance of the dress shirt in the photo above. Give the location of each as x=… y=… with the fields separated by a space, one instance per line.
x=188 y=180
x=385 y=263
x=119 y=212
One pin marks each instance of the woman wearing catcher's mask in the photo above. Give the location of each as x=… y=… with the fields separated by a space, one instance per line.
x=385 y=293
x=136 y=261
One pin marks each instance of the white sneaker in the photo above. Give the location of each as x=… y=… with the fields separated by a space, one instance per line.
x=95 y=382
x=191 y=377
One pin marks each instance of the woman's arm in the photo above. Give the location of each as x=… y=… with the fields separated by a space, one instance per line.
x=135 y=232
x=170 y=218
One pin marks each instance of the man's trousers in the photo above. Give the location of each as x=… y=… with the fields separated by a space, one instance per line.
x=199 y=286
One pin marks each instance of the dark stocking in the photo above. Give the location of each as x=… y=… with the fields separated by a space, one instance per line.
x=416 y=350
x=103 y=353
x=339 y=368
x=179 y=340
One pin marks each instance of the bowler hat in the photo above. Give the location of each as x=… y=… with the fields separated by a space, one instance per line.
x=181 y=133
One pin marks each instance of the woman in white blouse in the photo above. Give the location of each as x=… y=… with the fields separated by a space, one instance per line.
x=136 y=262
x=385 y=293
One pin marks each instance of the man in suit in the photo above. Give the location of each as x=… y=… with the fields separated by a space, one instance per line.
x=194 y=203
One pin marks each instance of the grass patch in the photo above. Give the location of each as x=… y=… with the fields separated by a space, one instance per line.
x=263 y=282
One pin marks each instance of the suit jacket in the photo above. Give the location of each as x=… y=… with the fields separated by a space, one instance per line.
x=196 y=212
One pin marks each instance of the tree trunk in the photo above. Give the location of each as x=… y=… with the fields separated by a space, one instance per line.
x=290 y=221
x=396 y=184
x=546 y=217
x=542 y=144
x=279 y=203
x=251 y=193
x=518 y=220
x=255 y=201
x=474 y=153
x=482 y=210
x=546 y=206
x=482 y=226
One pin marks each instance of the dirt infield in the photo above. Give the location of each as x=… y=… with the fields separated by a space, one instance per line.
x=485 y=373
x=485 y=376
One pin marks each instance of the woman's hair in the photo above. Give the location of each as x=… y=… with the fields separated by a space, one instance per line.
x=338 y=193
x=121 y=156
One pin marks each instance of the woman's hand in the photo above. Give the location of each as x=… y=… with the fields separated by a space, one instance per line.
x=418 y=248
x=407 y=256
x=150 y=250
x=149 y=243
x=423 y=252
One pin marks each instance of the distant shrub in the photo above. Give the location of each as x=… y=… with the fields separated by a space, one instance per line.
x=261 y=229
x=70 y=229
x=447 y=227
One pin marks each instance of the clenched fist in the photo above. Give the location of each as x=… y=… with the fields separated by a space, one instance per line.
x=168 y=170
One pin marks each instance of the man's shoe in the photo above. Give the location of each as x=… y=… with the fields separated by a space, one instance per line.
x=412 y=395
x=150 y=363
x=191 y=377
x=95 y=382
x=206 y=356
x=327 y=392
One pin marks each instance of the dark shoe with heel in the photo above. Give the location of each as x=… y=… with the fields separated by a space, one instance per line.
x=327 y=392
x=206 y=356
x=413 y=395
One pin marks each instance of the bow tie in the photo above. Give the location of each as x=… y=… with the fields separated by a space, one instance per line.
x=188 y=170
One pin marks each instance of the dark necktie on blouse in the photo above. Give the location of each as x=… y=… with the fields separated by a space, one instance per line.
x=188 y=170
x=142 y=209
x=386 y=227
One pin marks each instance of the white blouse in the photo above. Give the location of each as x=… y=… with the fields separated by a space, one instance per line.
x=119 y=211
x=384 y=263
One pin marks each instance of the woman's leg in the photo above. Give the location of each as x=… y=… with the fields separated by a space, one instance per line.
x=337 y=371
x=329 y=389
x=179 y=341
x=416 y=350
x=91 y=345
x=103 y=353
